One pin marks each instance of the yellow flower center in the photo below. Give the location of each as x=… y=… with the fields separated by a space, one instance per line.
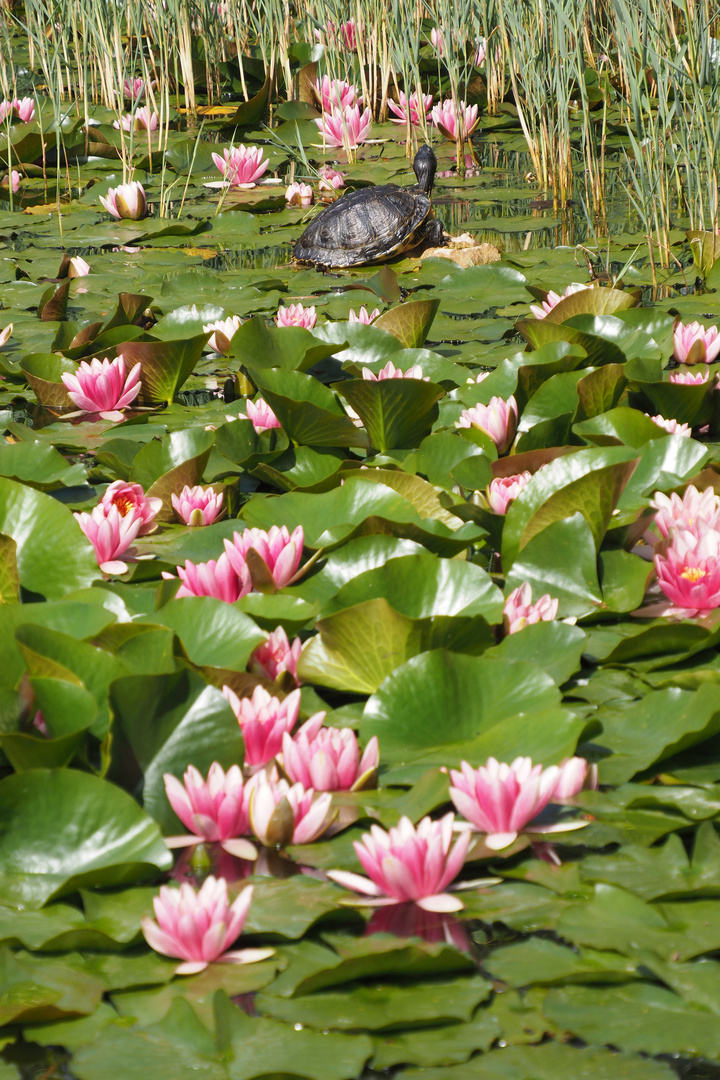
x=693 y=573
x=123 y=504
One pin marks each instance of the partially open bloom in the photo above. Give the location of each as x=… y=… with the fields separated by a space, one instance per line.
x=296 y=315
x=198 y=505
x=141 y=120
x=391 y=372
x=363 y=316
x=299 y=195
x=501 y=800
x=345 y=35
x=78 y=267
x=130 y=498
x=241 y=165
x=408 y=863
x=263 y=719
x=503 y=489
x=576 y=775
x=214 y=809
x=330 y=179
x=498 y=419
x=110 y=534
x=126 y=201
x=687 y=378
x=328 y=759
x=335 y=93
x=11 y=180
x=198 y=927
x=135 y=89
x=283 y=814
x=410 y=106
x=688 y=571
x=215 y=578
x=101 y=386
x=519 y=610
x=672 y=426
x=674 y=512
x=480 y=51
x=5 y=334
x=455 y=120
x=345 y=127
x=436 y=40
x=23 y=108
x=278 y=549
x=261 y=415
x=276 y=656
x=553 y=298
x=223 y=330
x=695 y=343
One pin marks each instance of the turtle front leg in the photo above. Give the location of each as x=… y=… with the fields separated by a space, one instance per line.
x=434 y=233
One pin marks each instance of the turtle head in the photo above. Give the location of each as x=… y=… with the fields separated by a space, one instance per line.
x=425 y=164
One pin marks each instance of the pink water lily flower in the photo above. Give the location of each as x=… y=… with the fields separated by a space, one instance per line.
x=296 y=315
x=276 y=656
x=408 y=863
x=674 y=512
x=278 y=549
x=330 y=179
x=501 y=800
x=199 y=927
x=261 y=415
x=23 y=108
x=141 y=120
x=437 y=40
x=695 y=343
x=241 y=166
x=328 y=759
x=480 y=52
x=410 y=105
x=498 y=419
x=214 y=810
x=455 y=120
x=78 y=267
x=299 y=195
x=129 y=498
x=391 y=372
x=136 y=89
x=126 y=201
x=553 y=298
x=12 y=180
x=687 y=378
x=688 y=571
x=363 y=316
x=336 y=93
x=111 y=535
x=519 y=610
x=5 y=334
x=263 y=720
x=504 y=489
x=672 y=426
x=223 y=331
x=198 y=505
x=346 y=127
x=346 y=34
x=576 y=775
x=213 y=578
x=101 y=385
x=282 y=814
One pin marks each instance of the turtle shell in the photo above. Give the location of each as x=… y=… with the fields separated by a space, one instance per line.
x=364 y=226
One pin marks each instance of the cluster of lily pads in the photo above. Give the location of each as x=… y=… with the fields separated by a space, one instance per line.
x=358 y=634
x=364 y=583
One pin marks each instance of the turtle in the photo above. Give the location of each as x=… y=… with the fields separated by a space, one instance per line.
x=372 y=224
